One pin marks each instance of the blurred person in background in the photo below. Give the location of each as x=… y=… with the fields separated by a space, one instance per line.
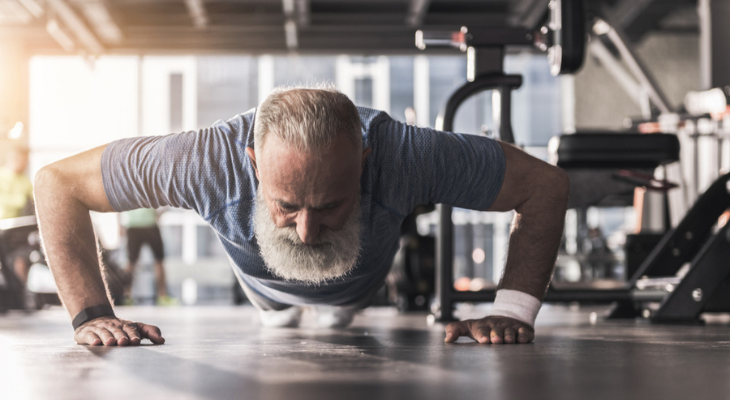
x=140 y=228
x=16 y=200
x=16 y=190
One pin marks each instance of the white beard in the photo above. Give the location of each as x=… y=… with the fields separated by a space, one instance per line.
x=285 y=255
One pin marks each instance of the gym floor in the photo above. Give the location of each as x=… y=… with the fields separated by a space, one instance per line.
x=223 y=353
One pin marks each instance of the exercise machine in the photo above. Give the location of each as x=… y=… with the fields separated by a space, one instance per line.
x=563 y=37
x=14 y=233
x=659 y=289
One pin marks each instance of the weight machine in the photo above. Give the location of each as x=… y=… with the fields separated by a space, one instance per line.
x=653 y=290
x=14 y=232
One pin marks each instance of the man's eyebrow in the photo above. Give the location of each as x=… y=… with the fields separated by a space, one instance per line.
x=331 y=204
x=286 y=204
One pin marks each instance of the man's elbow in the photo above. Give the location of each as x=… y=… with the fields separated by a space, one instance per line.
x=43 y=178
x=559 y=185
x=46 y=181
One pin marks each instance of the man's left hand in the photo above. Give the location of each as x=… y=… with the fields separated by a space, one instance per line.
x=493 y=329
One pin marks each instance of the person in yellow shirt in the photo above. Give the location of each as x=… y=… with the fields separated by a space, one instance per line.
x=16 y=200
x=16 y=191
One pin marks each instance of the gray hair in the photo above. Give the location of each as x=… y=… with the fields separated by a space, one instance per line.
x=307 y=118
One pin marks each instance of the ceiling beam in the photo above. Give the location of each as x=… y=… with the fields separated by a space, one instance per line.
x=100 y=19
x=11 y=12
x=60 y=36
x=74 y=23
x=33 y=7
x=417 y=10
x=290 y=25
x=303 y=11
x=197 y=12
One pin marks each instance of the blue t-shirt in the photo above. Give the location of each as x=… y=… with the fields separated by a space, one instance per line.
x=209 y=171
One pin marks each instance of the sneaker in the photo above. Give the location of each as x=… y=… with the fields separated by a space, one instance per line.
x=286 y=318
x=335 y=316
x=167 y=301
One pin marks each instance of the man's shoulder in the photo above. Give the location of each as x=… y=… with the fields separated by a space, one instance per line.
x=379 y=128
x=371 y=118
x=238 y=127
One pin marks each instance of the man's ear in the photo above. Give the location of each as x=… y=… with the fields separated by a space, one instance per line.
x=365 y=154
x=252 y=156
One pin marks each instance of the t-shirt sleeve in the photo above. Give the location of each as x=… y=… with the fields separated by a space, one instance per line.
x=199 y=170
x=428 y=166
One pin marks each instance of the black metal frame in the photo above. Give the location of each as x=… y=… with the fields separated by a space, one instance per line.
x=688 y=242
x=706 y=275
x=701 y=289
x=12 y=295
x=445 y=293
x=485 y=49
x=691 y=241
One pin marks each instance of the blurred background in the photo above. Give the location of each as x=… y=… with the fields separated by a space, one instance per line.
x=75 y=74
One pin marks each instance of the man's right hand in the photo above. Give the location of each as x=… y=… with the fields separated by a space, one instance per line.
x=111 y=331
x=65 y=192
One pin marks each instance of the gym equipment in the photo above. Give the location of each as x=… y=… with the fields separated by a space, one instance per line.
x=413 y=273
x=654 y=290
x=568 y=33
x=653 y=282
x=23 y=232
x=613 y=150
x=564 y=39
x=692 y=241
x=411 y=280
x=637 y=248
x=14 y=233
x=602 y=165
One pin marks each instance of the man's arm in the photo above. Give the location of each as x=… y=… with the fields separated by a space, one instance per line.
x=538 y=192
x=65 y=192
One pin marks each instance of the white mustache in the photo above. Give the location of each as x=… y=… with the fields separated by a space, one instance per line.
x=334 y=254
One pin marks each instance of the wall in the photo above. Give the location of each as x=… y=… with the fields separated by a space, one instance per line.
x=673 y=60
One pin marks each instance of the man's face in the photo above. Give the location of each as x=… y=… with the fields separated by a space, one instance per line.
x=307 y=217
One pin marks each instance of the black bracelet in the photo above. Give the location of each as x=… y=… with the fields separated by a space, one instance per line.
x=87 y=314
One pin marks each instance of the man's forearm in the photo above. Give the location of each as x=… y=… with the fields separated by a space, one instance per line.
x=69 y=242
x=535 y=238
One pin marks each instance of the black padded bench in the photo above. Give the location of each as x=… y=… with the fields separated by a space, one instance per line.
x=614 y=150
x=592 y=160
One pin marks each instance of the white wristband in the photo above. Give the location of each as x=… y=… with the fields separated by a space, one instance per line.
x=515 y=304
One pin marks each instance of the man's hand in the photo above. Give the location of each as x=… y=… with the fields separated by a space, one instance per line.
x=492 y=329
x=110 y=331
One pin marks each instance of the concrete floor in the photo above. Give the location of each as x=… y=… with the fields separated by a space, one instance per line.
x=223 y=353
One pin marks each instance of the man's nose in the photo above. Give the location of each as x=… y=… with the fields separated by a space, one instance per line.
x=307 y=227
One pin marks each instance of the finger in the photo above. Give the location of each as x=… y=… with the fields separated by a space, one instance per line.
x=480 y=333
x=90 y=338
x=133 y=334
x=496 y=335
x=152 y=333
x=107 y=338
x=509 y=335
x=456 y=329
x=525 y=335
x=120 y=336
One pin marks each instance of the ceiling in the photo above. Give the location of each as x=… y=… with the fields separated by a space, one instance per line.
x=256 y=26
